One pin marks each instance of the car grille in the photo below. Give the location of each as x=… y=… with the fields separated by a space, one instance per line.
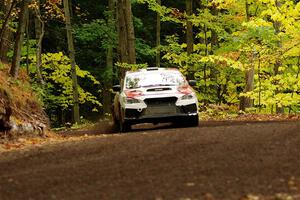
x=158 y=89
x=161 y=106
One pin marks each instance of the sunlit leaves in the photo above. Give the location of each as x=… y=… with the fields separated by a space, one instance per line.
x=167 y=14
x=266 y=38
x=56 y=70
x=132 y=67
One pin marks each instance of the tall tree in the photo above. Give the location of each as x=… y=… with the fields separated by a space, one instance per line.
x=107 y=99
x=39 y=34
x=158 y=30
x=189 y=36
x=189 y=27
x=247 y=102
x=7 y=8
x=126 y=36
x=73 y=63
x=19 y=39
x=278 y=63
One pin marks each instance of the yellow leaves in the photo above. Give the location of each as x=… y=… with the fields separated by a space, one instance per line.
x=281 y=68
x=258 y=22
x=33 y=5
x=56 y=70
x=183 y=45
x=52 y=10
x=287 y=14
x=95 y=110
x=291 y=46
x=234 y=55
x=268 y=2
x=132 y=67
x=223 y=4
x=297 y=9
x=221 y=61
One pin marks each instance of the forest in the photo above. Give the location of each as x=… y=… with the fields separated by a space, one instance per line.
x=244 y=54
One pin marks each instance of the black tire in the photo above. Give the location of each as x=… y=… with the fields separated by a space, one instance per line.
x=116 y=125
x=192 y=121
x=115 y=120
x=124 y=126
x=195 y=120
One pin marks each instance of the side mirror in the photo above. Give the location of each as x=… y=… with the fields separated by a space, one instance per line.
x=192 y=83
x=117 y=88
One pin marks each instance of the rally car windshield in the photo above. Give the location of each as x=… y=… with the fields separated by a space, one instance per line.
x=152 y=79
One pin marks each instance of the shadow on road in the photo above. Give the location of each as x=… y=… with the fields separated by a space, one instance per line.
x=107 y=127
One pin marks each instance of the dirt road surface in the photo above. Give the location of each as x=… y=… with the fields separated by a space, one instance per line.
x=224 y=161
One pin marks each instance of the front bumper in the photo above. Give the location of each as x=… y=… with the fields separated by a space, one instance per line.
x=160 y=113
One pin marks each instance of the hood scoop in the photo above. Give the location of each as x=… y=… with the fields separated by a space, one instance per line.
x=158 y=89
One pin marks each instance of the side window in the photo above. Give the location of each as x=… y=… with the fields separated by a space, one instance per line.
x=132 y=82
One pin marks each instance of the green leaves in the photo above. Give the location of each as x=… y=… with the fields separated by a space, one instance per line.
x=99 y=31
x=131 y=66
x=57 y=93
x=167 y=14
x=229 y=42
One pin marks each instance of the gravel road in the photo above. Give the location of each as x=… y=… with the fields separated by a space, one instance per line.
x=224 y=161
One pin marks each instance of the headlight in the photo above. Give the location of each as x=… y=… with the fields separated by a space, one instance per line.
x=187 y=97
x=131 y=100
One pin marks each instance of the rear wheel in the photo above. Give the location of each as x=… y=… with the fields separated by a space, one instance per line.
x=124 y=126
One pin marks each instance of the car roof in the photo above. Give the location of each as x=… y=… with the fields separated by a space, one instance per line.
x=153 y=69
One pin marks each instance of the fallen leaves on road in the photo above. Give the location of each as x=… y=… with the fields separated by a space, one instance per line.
x=252 y=117
x=74 y=135
x=49 y=138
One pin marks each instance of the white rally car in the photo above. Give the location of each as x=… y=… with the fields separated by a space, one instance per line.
x=154 y=95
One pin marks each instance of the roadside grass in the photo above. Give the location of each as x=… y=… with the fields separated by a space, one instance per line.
x=232 y=113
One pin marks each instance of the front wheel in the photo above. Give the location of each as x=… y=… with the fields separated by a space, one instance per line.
x=192 y=121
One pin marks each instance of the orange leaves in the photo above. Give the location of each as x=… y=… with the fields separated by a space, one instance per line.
x=233 y=55
x=53 y=9
x=55 y=1
x=9 y=146
x=177 y=14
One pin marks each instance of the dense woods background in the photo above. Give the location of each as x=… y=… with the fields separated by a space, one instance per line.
x=244 y=54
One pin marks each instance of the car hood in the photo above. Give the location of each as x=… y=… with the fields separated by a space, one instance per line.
x=157 y=92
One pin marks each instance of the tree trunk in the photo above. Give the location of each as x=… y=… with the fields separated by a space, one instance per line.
x=5 y=110
x=247 y=102
x=130 y=31
x=126 y=37
x=278 y=63
x=39 y=34
x=5 y=33
x=107 y=98
x=122 y=33
x=2 y=7
x=189 y=27
x=214 y=34
x=158 y=30
x=214 y=42
x=189 y=37
x=19 y=39
x=27 y=41
x=73 y=64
